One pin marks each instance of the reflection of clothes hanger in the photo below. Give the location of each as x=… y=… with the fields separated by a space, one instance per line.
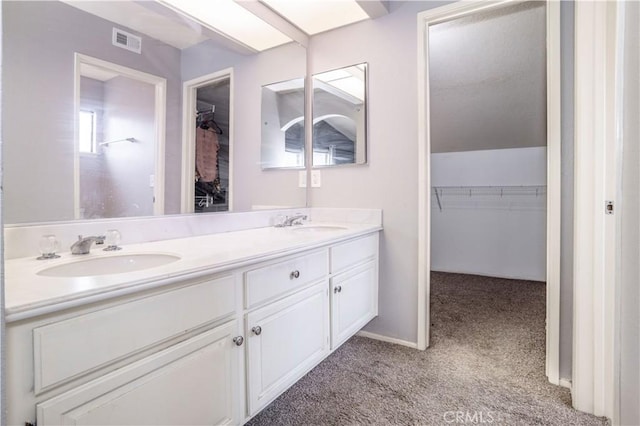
x=206 y=120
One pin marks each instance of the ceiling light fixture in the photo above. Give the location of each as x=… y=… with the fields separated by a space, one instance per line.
x=231 y=20
x=316 y=16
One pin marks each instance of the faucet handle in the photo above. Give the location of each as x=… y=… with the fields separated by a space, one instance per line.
x=112 y=239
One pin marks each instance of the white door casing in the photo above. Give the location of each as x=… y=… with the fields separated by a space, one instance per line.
x=596 y=121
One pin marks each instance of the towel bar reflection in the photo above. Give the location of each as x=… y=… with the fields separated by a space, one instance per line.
x=117 y=141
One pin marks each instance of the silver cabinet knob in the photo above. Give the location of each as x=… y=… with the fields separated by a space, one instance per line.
x=257 y=330
x=294 y=274
x=335 y=289
x=239 y=340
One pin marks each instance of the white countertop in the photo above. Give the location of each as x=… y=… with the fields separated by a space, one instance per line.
x=28 y=294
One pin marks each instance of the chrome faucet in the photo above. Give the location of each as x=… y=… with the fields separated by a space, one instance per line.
x=83 y=245
x=294 y=220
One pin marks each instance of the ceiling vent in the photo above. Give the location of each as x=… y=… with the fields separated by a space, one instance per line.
x=127 y=40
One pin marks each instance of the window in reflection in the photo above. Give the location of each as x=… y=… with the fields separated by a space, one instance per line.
x=87 y=132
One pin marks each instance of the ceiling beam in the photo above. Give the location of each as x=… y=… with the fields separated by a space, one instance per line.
x=374 y=8
x=265 y=13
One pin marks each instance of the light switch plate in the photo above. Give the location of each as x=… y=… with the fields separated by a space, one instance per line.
x=302 y=179
x=316 y=181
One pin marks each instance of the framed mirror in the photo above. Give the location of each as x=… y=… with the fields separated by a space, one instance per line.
x=282 y=120
x=340 y=116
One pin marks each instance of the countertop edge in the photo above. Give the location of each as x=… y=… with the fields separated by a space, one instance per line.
x=50 y=306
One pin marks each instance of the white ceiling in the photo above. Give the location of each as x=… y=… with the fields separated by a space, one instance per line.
x=134 y=15
x=488 y=80
x=279 y=22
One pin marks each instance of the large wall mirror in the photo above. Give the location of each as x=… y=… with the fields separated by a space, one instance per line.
x=340 y=116
x=126 y=169
x=283 y=134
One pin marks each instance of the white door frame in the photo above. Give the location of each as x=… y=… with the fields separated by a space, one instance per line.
x=596 y=170
x=160 y=116
x=457 y=10
x=189 y=97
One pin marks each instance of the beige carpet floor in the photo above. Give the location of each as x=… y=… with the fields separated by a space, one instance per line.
x=485 y=366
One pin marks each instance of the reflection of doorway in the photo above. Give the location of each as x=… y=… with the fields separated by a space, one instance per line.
x=207 y=147
x=119 y=141
x=552 y=173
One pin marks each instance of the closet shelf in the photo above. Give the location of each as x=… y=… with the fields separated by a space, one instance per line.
x=488 y=192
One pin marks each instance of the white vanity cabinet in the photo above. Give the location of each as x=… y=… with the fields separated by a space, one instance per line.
x=354 y=287
x=354 y=302
x=287 y=323
x=169 y=356
x=285 y=340
x=211 y=349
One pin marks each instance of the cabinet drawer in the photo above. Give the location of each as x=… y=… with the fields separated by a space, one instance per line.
x=281 y=278
x=68 y=348
x=352 y=252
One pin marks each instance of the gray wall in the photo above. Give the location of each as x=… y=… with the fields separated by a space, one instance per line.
x=389 y=181
x=39 y=41
x=629 y=292
x=566 y=196
x=251 y=185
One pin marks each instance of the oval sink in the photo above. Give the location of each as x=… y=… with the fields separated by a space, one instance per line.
x=117 y=264
x=319 y=228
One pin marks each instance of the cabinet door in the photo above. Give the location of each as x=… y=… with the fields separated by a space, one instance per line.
x=194 y=382
x=284 y=341
x=354 y=301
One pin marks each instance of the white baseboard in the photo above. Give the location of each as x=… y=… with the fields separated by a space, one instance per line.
x=565 y=383
x=380 y=337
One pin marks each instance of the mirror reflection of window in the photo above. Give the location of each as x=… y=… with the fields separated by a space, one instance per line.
x=339 y=116
x=87 y=132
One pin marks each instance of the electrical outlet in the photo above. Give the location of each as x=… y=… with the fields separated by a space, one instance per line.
x=316 y=182
x=152 y=181
x=302 y=179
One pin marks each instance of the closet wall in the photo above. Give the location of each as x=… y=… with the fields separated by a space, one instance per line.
x=488 y=213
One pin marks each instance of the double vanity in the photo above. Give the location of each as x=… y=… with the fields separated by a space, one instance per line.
x=200 y=330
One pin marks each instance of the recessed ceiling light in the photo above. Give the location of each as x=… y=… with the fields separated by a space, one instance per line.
x=316 y=16
x=232 y=20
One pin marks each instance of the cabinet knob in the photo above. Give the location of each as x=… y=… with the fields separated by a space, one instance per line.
x=257 y=330
x=294 y=274
x=336 y=289
x=239 y=340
